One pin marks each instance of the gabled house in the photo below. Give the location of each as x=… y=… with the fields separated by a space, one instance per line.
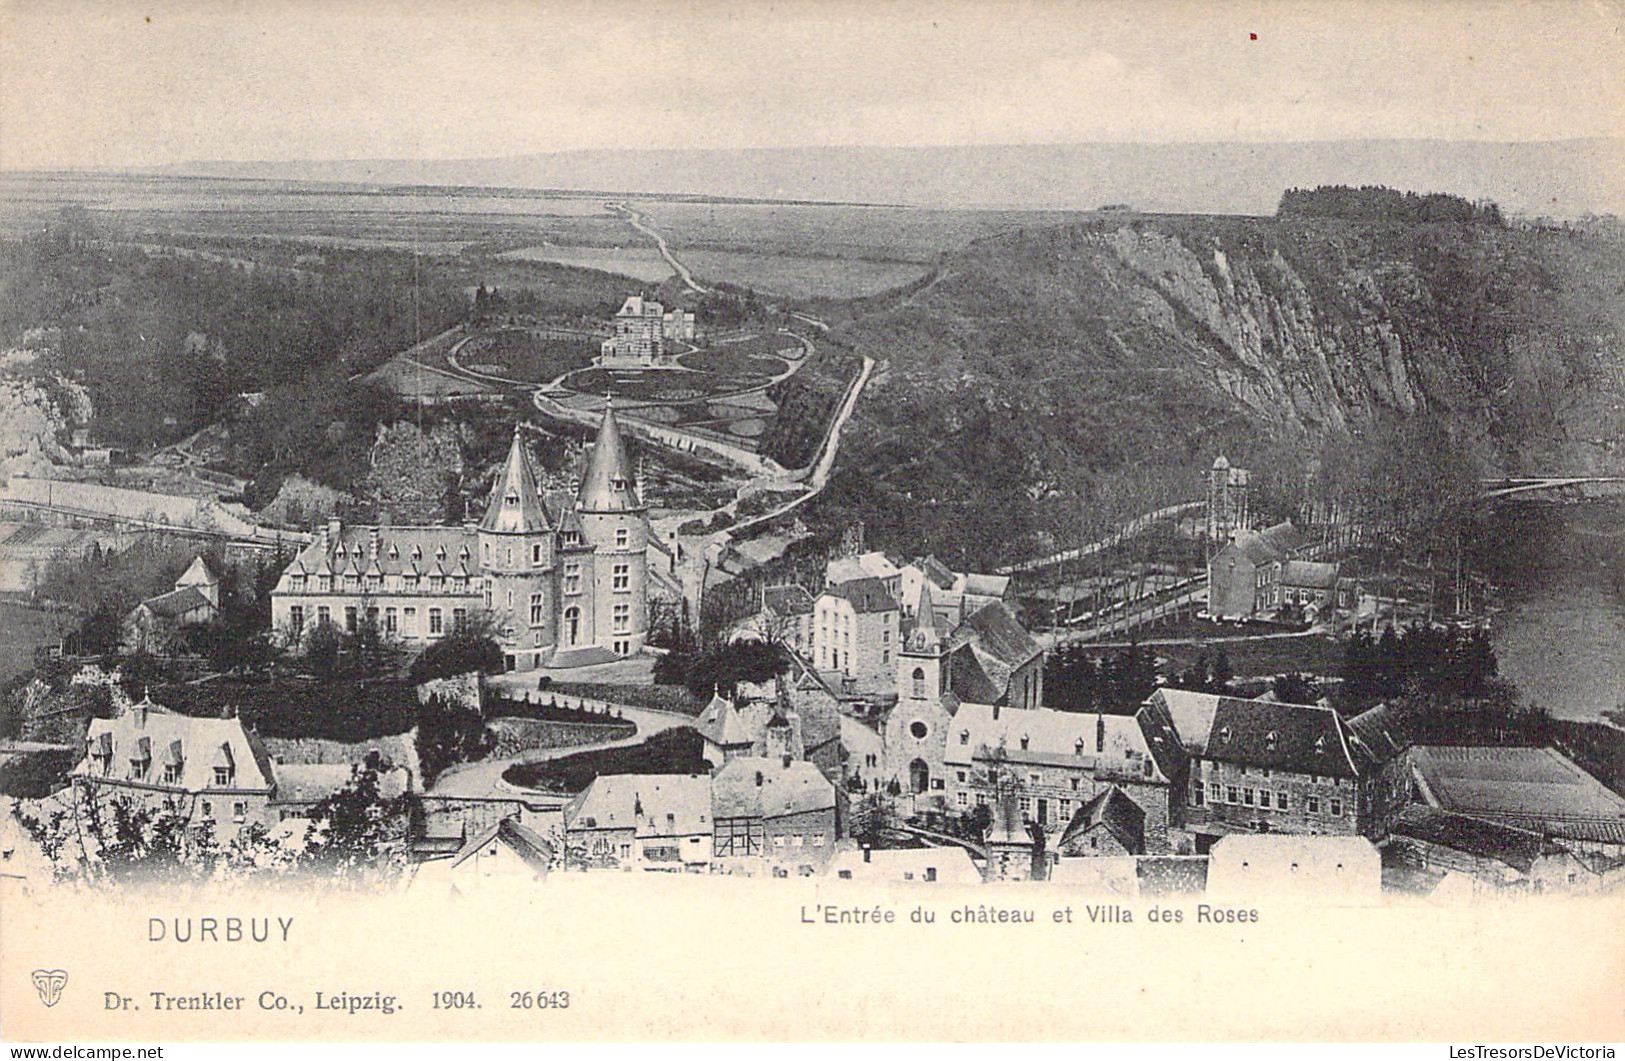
x=505 y=854
x=1109 y=825
x=657 y=822
x=778 y=810
x=155 y=624
x=1244 y=577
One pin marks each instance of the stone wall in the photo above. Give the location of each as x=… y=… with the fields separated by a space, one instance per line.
x=517 y=735
x=399 y=750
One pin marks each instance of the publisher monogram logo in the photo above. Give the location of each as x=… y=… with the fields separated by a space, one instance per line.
x=49 y=983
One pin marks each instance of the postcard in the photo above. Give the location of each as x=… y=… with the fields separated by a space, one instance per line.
x=763 y=522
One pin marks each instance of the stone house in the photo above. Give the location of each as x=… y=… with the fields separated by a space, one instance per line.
x=1054 y=763
x=505 y=854
x=1110 y=825
x=778 y=811
x=855 y=633
x=655 y=822
x=639 y=338
x=923 y=865
x=212 y=771
x=1243 y=577
x=155 y=624
x=1261 y=766
x=1497 y=857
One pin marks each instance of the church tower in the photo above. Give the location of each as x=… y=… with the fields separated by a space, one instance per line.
x=922 y=664
x=516 y=557
x=614 y=522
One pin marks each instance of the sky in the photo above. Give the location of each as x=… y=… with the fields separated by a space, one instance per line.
x=115 y=83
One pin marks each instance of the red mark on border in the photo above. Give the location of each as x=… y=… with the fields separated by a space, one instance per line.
x=1252 y=36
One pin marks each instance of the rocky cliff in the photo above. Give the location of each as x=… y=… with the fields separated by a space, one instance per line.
x=1045 y=364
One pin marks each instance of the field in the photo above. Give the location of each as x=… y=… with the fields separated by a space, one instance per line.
x=639 y=263
x=801 y=277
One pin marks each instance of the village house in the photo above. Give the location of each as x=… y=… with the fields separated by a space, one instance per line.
x=954 y=595
x=1345 y=870
x=565 y=578
x=656 y=822
x=1243 y=577
x=1110 y=825
x=785 y=618
x=924 y=865
x=854 y=632
x=156 y=623
x=504 y=855
x=211 y=771
x=1496 y=857
x=1012 y=851
x=778 y=812
x=1261 y=766
x=1054 y=763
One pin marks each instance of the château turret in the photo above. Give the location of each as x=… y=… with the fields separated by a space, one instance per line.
x=614 y=522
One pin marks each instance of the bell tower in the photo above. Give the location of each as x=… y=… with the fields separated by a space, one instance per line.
x=517 y=559
x=614 y=522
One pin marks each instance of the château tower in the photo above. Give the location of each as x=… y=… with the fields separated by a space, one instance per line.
x=614 y=524
x=1226 y=501
x=516 y=541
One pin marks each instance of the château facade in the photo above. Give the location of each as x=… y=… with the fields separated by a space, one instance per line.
x=561 y=574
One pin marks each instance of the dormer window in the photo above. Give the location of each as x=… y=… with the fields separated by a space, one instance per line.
x=394 y=553
x=463 y=553
x=440 y=552
x=571 y=539
x=141 y=759
x=1224 y=735
x=511 y=498
x=964 y=736
x=173 y=761
x=1077 y=746
x=1269 y=739
x=617 y=483
x=417 y=552
x=1025 y=740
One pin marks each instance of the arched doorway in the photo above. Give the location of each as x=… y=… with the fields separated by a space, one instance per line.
x=919 y=776
x=572 y=626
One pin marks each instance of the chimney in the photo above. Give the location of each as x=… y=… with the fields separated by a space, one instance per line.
x=995 y=712
x=1100 y=732
x=866 y=853
x=758 y=779
x=334 y=527
x=374 y=536
x=787 y=762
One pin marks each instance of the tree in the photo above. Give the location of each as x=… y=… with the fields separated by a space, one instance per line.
x=449 y=733
x=359 y=834
x=459 y=652
x=871 y=820
x=1296 y=689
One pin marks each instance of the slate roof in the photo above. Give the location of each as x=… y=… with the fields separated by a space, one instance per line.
x=1009 y=825
x=784 y=790
x=1377 y=735
x=1266 y=546
x=1053 y=738
x=866 y=595
x=607 y=484
x=1307 y=574
x=721 y=724
x=530 y=846
x=1269 y=735
x=1161 y=737
x=515 y=506
x=177 y=602
x=982 y=585
x=999 y=645
x=865 y=565
x=1517 y=848
x=670 y=804
x=1533 y=784
x=1191 y=715
x=197 y=573
x=161 y=736
x=1114 y=811
x=936 y=571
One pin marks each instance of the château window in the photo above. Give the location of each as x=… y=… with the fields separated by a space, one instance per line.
x=536 y=552
x=222 y=777
x=435 y=627
x=622 y=578
x=324 y=583
x=296 y=618
x=536 y=609
x=623 y=618
x=622 y=537
x=572 y=578
x=1337 y=808
x=459 y=618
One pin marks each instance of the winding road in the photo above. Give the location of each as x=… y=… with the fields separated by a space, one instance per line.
x=639 y=222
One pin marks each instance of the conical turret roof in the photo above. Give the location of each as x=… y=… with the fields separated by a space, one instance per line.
x=516 y=504
x=925 y=637
x=607 y=486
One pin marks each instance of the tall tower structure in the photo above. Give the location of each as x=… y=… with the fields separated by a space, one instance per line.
x=614 y=522
x=922 y=663
x=516 y=541
x=1226 y=500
